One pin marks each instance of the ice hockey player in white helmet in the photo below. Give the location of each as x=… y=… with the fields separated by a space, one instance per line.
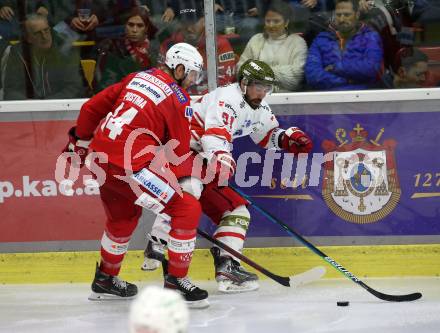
x=158 y=310
x=146 y=109
x=227 y=113
x=188 y=56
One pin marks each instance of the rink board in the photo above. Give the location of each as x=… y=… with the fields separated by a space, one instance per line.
x=363 y=261
x=35 y=208
x=38 y=215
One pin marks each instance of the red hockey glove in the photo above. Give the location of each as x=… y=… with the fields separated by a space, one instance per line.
x=223 y=166
x=296 y=141
x=77 y=146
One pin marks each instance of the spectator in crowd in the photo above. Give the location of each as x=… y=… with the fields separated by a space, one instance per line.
x=10 y=15
x=192 y=31
x=40 y=67
x=347 y=57
x=242 y=15
x=286 y=53
x=239 y=15
x=304 y=10
x=59 y=10
x=411 y=70
x=425 y=12
x=391 y=20
x=174 y=7
x=119 y=8
x=88 y=14
x=118 y=57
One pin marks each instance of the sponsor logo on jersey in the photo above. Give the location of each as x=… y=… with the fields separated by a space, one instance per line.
x=248 y=123
x=361 y=184
x=135 y=99
x=189 y=112
x=221 y=103
x=230 y=107
x=147 y=89
x=156 y=81
x=226 y=56
x=179 y=93
x=154 y=184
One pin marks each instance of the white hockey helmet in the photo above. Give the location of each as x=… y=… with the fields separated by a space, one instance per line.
x=158 y=310
x=186 y=55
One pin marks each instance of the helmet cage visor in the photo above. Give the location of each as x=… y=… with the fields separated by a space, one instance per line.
x=260 y=85
x=192 y=77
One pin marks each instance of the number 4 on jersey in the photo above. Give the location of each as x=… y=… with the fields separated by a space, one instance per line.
x=114 y=123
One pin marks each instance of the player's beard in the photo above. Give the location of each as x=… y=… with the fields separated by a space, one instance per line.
x=254 y=103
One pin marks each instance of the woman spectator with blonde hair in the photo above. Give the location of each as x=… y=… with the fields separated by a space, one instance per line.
x=285 y=53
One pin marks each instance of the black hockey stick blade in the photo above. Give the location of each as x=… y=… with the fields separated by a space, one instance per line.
x=337 y=266
x=392 y=298
x=285 y=281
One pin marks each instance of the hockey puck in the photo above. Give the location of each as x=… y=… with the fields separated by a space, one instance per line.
x=345 y=303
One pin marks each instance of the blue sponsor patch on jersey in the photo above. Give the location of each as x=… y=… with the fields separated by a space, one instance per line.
x=189 y=112
x=179 y=93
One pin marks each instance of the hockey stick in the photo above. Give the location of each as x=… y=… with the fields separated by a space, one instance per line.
x=297 y=280
x=283 y=280
x=340 y=268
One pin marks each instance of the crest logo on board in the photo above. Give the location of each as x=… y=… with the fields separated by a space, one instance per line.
x=360 y=183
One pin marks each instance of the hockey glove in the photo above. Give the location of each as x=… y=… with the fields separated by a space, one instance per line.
x=223 y=165
x=77 y=146
x=296 y=141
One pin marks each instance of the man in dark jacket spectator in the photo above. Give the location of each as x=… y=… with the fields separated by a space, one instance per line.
x=347 y=57
x=40 y=67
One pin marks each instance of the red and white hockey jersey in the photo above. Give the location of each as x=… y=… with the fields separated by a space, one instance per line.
x=223 y=115
x=145 y=109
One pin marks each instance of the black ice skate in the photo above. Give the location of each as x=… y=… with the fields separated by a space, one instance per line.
x=195 y=297
x=231 y=277
x=108 y=287
x=154 y=253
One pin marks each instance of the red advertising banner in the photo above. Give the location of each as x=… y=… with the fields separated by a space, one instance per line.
x=33 y=205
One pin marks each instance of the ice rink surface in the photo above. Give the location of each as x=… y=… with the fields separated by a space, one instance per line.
x=274 y=308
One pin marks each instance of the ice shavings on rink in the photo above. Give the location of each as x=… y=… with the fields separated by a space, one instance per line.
x=274 y=308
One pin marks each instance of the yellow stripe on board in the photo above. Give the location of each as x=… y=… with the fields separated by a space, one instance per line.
x=425 y=195
x=362 y=261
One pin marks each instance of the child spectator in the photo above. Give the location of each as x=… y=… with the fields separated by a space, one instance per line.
x=411 y=70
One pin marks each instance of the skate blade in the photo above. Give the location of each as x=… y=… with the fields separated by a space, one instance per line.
x=150 y=264
x=107 y=297
x=202 y=304
x=229 y=287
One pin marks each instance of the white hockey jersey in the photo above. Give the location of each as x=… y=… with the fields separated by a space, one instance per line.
x=223 y=115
